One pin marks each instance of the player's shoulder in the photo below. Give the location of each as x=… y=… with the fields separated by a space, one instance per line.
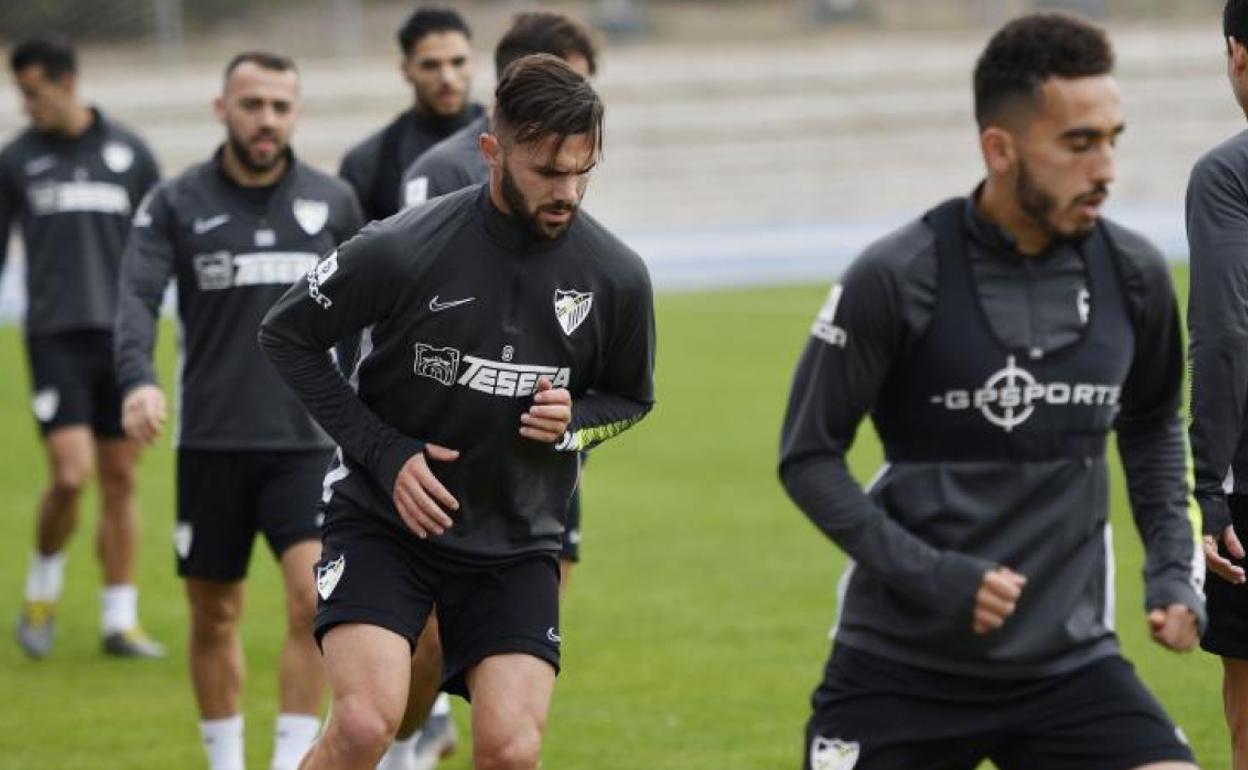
x=21 y=147
x=196 y=177
x=617 y=258
x=364 y=152
x=317 y=182
x=1227 y=159
x=897 y=257
x=418 y=233
x=1142 y=266
x=116 y=131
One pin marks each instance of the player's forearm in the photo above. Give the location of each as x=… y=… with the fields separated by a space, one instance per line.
x=134 y=336
x=312 y=376
x=827 y=493
x=1219 y=382
x=597 y=417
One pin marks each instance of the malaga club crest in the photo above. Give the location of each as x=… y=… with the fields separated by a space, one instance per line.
x=311 y=215
x=572 y=307
x=328 y=575
x=833 y=754
x=118 y=157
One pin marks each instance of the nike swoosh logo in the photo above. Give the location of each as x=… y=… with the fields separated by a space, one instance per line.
x=201 y=226
x=438 y=307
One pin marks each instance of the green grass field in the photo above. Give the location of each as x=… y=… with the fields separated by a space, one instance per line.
x=693 y=632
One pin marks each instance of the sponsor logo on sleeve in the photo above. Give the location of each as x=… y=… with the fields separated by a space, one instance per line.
x=118 y=157
x=318 y=276
x=572 y=308
x=825 y=327
x=311 y=215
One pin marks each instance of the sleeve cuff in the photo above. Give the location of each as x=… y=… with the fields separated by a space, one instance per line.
x=955 y=584
x=1214 y=512
x=393 y=459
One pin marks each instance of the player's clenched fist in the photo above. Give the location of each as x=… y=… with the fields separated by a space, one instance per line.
x=421 y=499
x=143 y=413
x=1174 y=627
x=547 y=419
x=997 y=599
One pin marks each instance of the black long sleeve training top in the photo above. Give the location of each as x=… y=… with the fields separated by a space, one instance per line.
x=923 y=534
x=460 y=311
x=233 y=252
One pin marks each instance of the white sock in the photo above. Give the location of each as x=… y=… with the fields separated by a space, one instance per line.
x=293 y=737
x=441 y=706
x=399 y=755
x=223 y=742
x=119 y=608
x=45 y=578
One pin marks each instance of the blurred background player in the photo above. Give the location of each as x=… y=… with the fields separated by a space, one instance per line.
x=996 y=342
x=1217 y=317
x=72 y=181
x=437 y=63
x=451 y=165
x=235 y=232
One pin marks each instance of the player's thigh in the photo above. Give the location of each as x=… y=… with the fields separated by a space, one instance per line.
x=1099 y=717
x=510 y=701
x=71 y=455
x=367 y=667
x=502 y=610
x=217 y=522
x=61 y=382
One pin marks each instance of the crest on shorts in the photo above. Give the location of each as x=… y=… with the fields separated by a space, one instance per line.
x=311 y=215
x=833 y=754
x=572 y=307
x=182 y=536
x=45 y=403
x=441 y=364
x=118 y=157
x=328 y=575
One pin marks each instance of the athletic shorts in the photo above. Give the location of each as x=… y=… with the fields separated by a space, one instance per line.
x=378 y=573
x=871 y=713
x=74 y=382
x=1226 y=603
x=226 y=497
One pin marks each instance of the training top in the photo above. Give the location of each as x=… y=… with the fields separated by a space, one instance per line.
x=992 y=379
x=460 y=311
x=232 y=251
x=452 y=164
x=374 y=167
x=1217 y=319
x=73 y=199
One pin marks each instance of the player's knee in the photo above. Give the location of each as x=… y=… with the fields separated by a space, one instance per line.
x=520 y=750
x=360 y=728
x=214 y=619
x=69 y=479
x=117 y=481
x=301 y=608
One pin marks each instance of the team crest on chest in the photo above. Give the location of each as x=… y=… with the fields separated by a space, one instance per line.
x=572 y=308
x=833 y=754
x=118 y=157
x=311 y=215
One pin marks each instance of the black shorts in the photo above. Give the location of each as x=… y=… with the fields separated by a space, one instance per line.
x=890 y=716
x=1226 y=603
x=74 y=382
x=225 y=497
x=381 y=574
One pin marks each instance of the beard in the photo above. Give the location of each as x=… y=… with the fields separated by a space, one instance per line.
x=242 y=151
x=1041 y=205
x=529 y=216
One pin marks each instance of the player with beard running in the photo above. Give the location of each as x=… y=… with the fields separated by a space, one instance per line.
x=502 y=331
x=453 y=164
x=437 y=62
x=235 y=232
x=996 y=342
x=72 y=181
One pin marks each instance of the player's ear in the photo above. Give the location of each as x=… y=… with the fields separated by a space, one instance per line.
x=492 y=150
x=1238 y=56
x=997 y=146
x=218 y=108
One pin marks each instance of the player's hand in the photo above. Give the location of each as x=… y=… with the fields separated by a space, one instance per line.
x=1224 y=568
x=421 y=499
x=547 y=419
x=1174 y=627
x=143 y=413
x=997 y=599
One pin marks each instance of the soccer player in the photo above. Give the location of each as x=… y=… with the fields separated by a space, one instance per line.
x=71 y=181
x=503 y=332
x=453 y=164
x=235 y=232
x=437 y=62
x=1217 y=233
x=996 y=342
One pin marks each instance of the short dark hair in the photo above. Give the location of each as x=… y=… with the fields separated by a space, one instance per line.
x=427 y=21
x=540 y=95
x=1235 y=20
x=545 y=32
x=56 y=56
x=1026 y=52
x=263 y=59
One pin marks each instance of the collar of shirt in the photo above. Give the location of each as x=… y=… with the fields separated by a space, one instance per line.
x=512 y=234
x=256 y=197
x=997 y=241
